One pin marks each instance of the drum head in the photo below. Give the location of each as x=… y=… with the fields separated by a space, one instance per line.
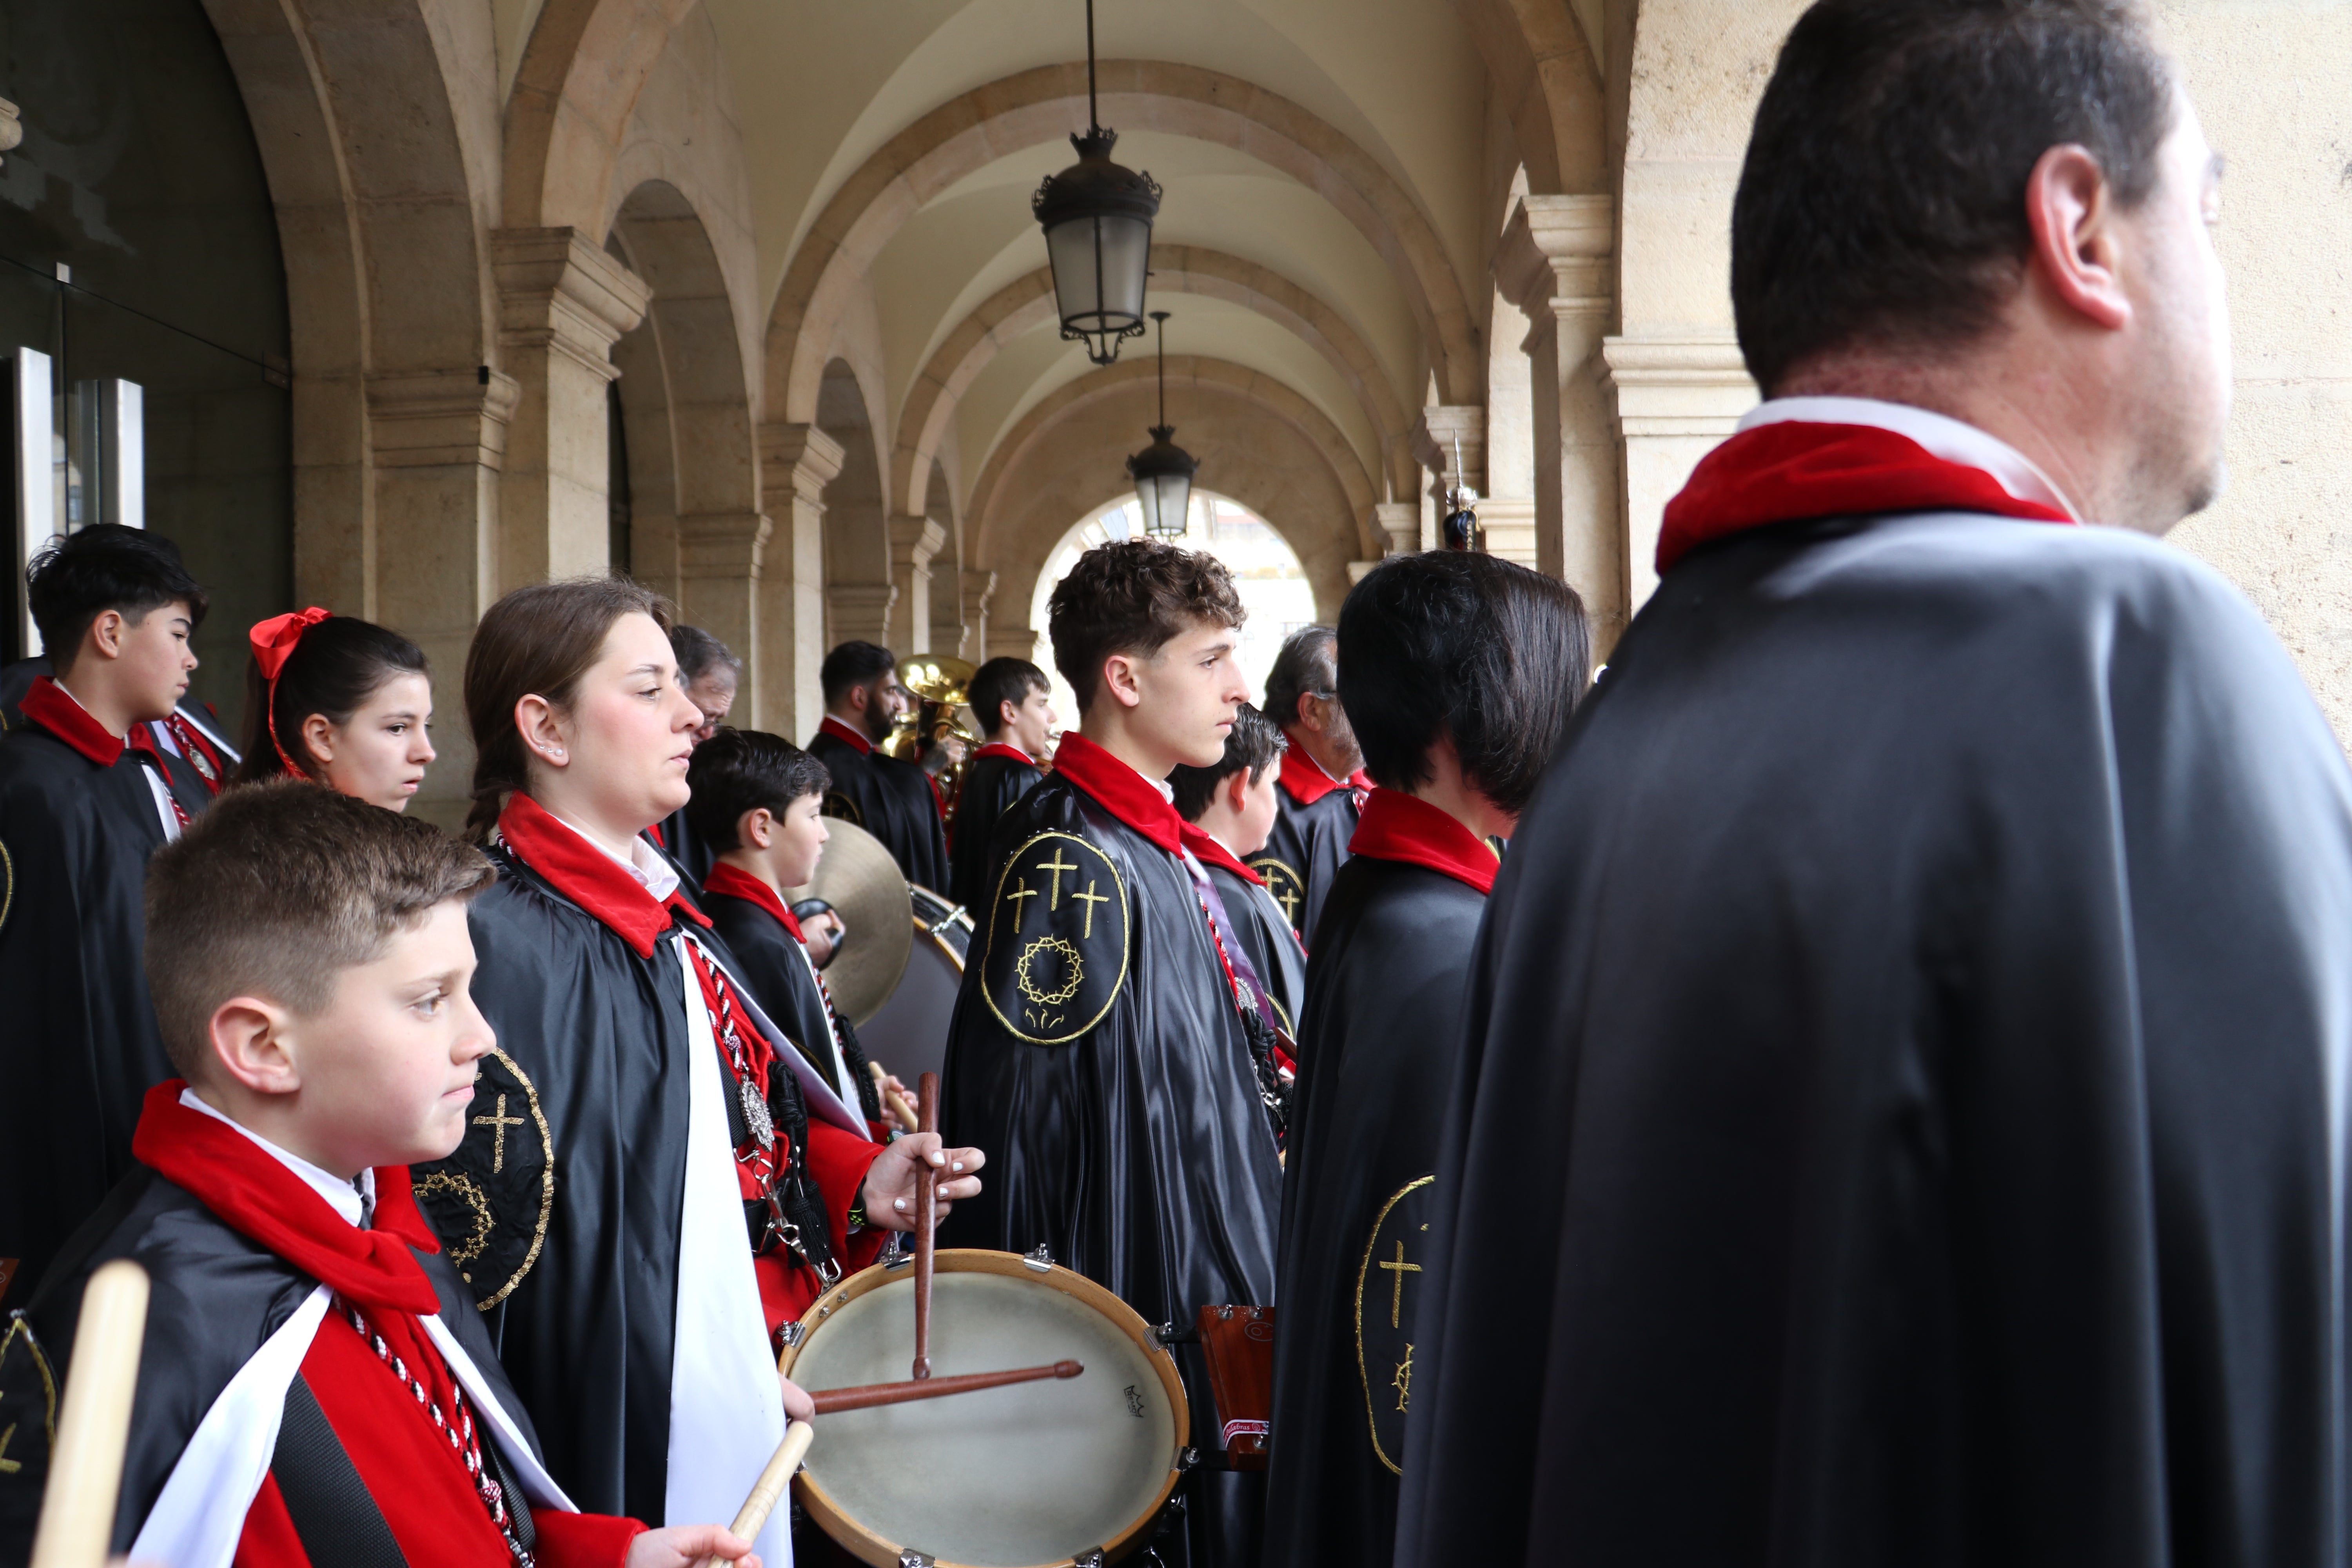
x=909 y=1034
x=1007 y=1478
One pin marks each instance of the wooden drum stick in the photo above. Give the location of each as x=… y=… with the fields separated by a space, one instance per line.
x=867 y=1395
x=94 y=1420
x=927 y=1214
x=893 y=1102
x=769 y=1489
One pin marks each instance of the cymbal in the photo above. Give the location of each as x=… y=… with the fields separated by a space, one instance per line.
x=865 y=886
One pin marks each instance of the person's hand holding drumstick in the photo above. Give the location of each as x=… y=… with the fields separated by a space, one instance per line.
x=889 y=1190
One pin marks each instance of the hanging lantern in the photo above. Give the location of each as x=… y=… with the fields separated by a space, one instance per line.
x=1163 y=471
x=1098 y=221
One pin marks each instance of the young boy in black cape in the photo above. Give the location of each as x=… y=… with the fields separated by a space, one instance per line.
x=1101 y=1045
x=86 y=796
x=1013 y=703
x=1231 y=808
x=892 y=800
x=1322 y=783
x=315 y=1386
x=757 y=804
x=1458 y=671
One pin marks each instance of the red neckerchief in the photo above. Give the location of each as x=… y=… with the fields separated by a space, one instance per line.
x=588 y=877
x=53 y=708
x=841 y=731
x=1798 y=468
x=1001 y=749
x=734 y=883
x=1302 y=780
x=266 y=1203
x=1209 y=851
x=1402 y=828
x=1119 y=790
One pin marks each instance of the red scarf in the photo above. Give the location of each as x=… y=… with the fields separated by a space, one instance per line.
x=261 y=1200
x=1119 y=790
x=1796 y=468
x=1000 y=749
x=1409 y=830
x=1209 y=850
x=1304 y=780
x=841 y=731
x=588 y=877
x=734 y=883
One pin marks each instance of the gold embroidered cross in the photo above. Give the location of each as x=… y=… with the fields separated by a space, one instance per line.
x=1091 y=899
x=8 y=1466
x=1288 y=900
x=1057 y=866
x=501 y=1122
x=1400 y=1269
x=1020 y=908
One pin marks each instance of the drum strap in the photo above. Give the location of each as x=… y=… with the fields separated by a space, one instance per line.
x=333 y=1516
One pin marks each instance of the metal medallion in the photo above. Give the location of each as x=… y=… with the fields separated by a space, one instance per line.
x=755 y=1113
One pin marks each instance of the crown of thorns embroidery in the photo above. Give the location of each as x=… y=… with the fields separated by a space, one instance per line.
x=1049 y=947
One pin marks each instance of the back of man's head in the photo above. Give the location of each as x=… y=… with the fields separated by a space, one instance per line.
x=739 y=771
x=106 y=566
x=275 y=891
x=1133 y=596
x=1252 y=745
x=1883 y=199
x=998 y=681
x=1307 y=666
x=1467 y=645
x=853 y=664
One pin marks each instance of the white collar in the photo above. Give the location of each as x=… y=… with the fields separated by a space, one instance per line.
x=1951 y=439
x=355 y=1201
x=643 y=861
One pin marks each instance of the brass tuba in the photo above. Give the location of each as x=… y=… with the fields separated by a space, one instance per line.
x=944 y=683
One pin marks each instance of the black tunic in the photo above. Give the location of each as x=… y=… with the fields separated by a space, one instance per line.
x=991 y=786
x=1383 y=1020
x=1308 y=845
x=1260 y=930
x=1898 y=1116
x=79 y=1046
x=775 y=968
x=890 y=799
x=1115 y=1096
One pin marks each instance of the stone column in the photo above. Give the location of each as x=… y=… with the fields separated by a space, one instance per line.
x=979 y=588
x=721 y=558
x=859 y=612
x=1677 y=397
x=562 y=303
x=439 y=438
x=1399 y=521
x=796 y=461
x=1553 y=265
x=1450 y=444
x=915 y=543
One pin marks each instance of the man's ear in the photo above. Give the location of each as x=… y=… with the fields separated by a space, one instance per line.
x=248 y=1041
x=2070 y=207
x=1121 y=678
x=757 y=827
x=1008 y=713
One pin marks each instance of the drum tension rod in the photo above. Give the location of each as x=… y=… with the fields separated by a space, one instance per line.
x=910 y=1558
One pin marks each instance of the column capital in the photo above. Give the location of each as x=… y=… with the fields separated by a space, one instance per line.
x=1553 y=256
x=425 y=418
x=722 y=544
x=559 y=292
x=916 y=542
x=800 y=459
x=1443 y=431
x=1399 y=521
x=1692 y=384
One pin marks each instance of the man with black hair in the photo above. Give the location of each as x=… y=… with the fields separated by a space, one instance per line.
x=86 y=796
x=1013 y=704
x=711 y=674
x=1229 y=809
x=892 y=800
x=1103 y=1042
x=1458 y=671
x=1322 y=783
x=758 y=804
x=1902 y=1117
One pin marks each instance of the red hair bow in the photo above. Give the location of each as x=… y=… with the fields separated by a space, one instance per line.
x=274 y=642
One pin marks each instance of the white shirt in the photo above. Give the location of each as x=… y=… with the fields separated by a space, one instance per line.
x=1951 y=439
x=355 y=1201
x=642 y=862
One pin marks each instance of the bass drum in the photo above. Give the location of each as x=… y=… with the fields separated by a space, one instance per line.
x=910 y=1035
x=1034 y=1475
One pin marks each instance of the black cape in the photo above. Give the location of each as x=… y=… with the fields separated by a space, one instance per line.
x=79 y=1048
x=1376 y=1044
x=1116 y=1095
x=991 y=786
x=890 y=799
x=215 y=1298
x=686 y=849
x=1896 y=1122
x=1260 y=930
x=1305 y=851
x=770 y=962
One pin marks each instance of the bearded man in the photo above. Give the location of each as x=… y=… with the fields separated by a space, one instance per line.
x=1928 y=962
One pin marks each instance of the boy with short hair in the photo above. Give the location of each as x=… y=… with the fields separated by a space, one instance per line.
x=1013 y=702
x=316 y=1386
x=1231 y=810
x=86 y=796
x=759 y=805
x=1101 y=1045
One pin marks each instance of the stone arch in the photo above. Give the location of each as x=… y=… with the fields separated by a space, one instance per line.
x=1027 y=302
x=581 y=70
x=1040 y=106
x=1262 y=444
x=1545 y=75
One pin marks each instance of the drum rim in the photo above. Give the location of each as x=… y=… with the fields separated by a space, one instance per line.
x=871 y=1548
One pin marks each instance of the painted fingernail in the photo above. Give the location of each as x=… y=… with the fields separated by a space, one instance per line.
x=959 y=1164
x=898 y=1203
